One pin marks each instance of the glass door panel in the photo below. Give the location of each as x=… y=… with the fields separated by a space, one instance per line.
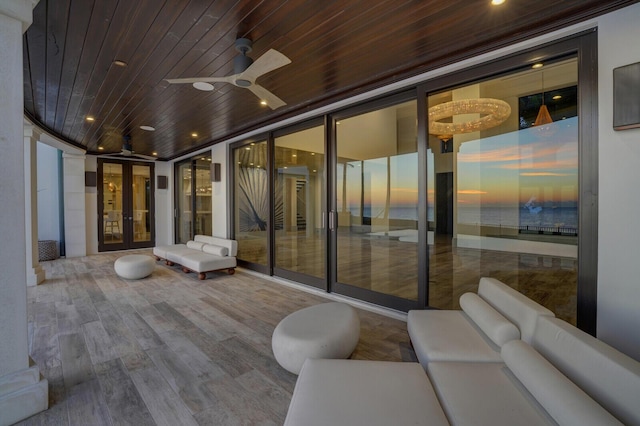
x=193 y=199
x=183 y=203
x=300 y=198
x=203 y=221
x=377 y=201
x=506 y=195
x=251 y=203
x=113 y=225
x=141 y=192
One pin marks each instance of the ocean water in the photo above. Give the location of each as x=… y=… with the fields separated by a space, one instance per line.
x=542 y=216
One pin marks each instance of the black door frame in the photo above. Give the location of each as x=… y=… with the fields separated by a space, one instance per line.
x=127 y=230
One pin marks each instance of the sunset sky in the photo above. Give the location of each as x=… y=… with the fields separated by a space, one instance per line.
x=502 y=170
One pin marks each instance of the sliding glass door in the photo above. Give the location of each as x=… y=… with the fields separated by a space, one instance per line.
x=193 y=198
x=375 y=199
x=299 y=204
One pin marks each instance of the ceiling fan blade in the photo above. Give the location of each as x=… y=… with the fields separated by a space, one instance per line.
x=227 y=79
x=144 y=157
x=268 y=62
x=272 y=100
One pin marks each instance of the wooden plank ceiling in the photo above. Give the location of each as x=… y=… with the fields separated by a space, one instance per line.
x=338 y=49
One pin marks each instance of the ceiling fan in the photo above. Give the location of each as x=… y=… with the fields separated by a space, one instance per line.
x=128 y=152
x=246 y=71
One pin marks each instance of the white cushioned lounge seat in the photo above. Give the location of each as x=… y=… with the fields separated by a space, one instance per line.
x=327 y=330
x=368 y=393
x=134 y=266
x=488 y=320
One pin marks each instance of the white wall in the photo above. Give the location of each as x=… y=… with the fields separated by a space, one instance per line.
x=619 y=195
x=164 y=205
x=220 y=204
x=48 y=193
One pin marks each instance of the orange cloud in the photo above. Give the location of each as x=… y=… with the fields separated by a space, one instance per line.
x=546 y=174
x=471 y=192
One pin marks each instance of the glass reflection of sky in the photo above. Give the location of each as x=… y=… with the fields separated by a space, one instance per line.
x=540 y=162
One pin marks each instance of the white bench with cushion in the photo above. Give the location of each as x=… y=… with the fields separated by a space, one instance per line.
x=201 y=255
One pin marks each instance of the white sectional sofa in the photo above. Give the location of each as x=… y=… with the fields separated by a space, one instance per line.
x=502 y=360
x=201 y=255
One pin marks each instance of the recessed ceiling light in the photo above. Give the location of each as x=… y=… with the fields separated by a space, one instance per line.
x=294 y=155
x=201 y=85
x=497 y=2
x=537 y=65
x=556 y=97
x=119 y=63
x=248 y=148
x=313 y=153
x=263 y=102
x=154 y=153
x=89 y=118
x=100 y=148
x=194 y=135
x=148 y=128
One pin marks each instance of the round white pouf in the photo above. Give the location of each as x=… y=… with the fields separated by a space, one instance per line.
x=328 y=330
x=134 y=266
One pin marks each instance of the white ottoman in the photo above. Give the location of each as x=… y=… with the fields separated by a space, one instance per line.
x=134 y=266
x=328 y=330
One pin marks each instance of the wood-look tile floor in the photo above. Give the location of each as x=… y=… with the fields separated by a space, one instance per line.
x=171 y=349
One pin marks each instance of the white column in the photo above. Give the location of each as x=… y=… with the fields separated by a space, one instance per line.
x=22 y=391
x=35 y=273
x=75 y=230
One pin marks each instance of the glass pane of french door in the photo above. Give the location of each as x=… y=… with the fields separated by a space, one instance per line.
x=251 y=202
x=377 y=201
x=505 y=201
x=300 y=243
x=113 y=224
x=141 y=197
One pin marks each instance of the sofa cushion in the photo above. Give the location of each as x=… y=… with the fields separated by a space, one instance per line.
x=449 y=336
x=217 y=250
x=484 y=394
x=195 y=245
x=606 y=375
x=356 y=392
x=232 y=245
x=203 y=262
x=494 y=325
x=161 y=251
x=513 y=305
x=560 y=397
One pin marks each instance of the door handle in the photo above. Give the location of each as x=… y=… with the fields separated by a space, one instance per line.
x=331 y=220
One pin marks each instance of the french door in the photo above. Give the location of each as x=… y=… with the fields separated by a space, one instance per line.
x=125 y=205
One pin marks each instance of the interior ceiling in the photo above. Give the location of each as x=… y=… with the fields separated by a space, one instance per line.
x=338 y=49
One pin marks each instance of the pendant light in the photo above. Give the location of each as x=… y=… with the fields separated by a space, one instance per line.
x=543 y=114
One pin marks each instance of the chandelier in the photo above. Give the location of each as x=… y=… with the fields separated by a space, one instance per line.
x=493 y=112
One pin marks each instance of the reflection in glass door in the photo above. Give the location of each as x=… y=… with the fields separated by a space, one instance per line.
x=376 y=204
x=514 y=192
x=251 y=204
x=193 y=199
x=300 y=243
x=125 y=205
